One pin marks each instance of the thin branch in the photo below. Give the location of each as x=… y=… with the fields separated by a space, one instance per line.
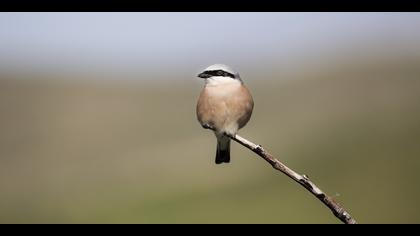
x=303 y=180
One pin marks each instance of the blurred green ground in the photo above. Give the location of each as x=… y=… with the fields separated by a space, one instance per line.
x=133 y=152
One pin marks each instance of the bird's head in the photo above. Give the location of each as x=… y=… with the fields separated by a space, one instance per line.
x=219 y=73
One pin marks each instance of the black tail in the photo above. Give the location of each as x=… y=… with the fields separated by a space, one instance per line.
x=223 y=151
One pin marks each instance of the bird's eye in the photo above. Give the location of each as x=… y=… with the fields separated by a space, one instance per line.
x=220 y=72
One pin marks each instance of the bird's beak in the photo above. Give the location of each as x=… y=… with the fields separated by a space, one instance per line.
x=203 y=75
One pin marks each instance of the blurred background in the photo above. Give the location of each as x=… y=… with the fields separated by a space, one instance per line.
x=97 y=117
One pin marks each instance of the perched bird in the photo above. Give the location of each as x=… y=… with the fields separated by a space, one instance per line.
x=225 y=105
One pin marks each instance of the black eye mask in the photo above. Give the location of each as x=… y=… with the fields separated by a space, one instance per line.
x=210 y=73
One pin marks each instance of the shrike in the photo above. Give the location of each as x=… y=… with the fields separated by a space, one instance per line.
x=225 y=105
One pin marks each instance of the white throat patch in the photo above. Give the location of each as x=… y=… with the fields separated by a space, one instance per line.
x=220 y=80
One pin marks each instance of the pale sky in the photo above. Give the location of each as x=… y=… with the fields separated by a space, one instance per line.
x=157 y=42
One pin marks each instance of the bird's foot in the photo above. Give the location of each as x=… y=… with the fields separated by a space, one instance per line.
x=207 y=126
x=229 y=134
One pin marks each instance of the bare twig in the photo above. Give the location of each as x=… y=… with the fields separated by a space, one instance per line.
x=303 y=180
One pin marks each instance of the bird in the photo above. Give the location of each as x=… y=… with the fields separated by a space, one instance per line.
x=224 y=105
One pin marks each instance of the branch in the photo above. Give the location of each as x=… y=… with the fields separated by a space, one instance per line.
x=303 y=180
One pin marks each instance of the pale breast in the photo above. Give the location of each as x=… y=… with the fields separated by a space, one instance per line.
x=227 y=107
x=223 y=91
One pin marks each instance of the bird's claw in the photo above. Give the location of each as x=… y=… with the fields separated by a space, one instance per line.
x=229 y=134
x=207 y=126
